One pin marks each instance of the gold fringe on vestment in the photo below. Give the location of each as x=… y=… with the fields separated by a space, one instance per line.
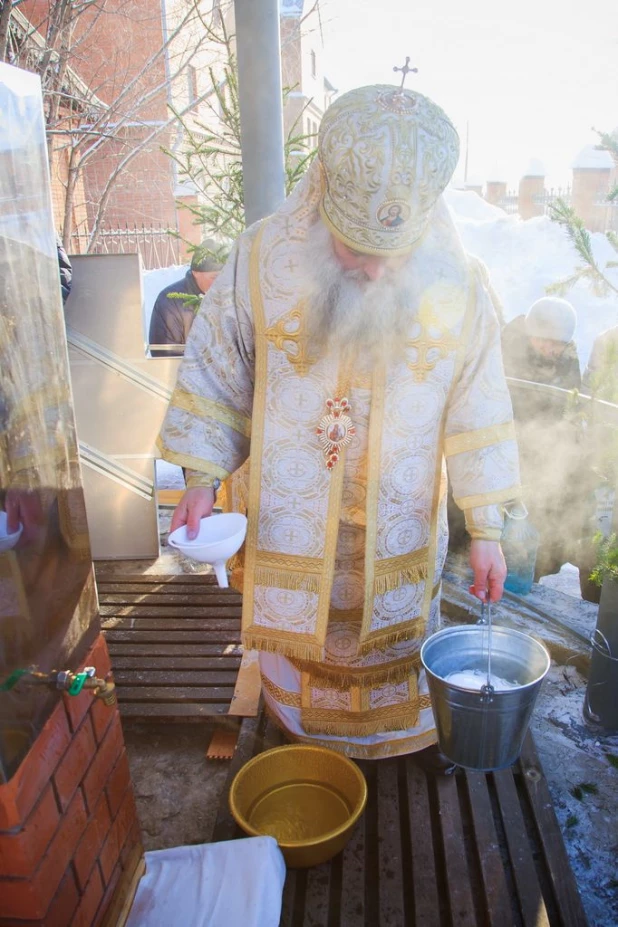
x=359 y=718
x=398 y=747
x=406 y=630
x=332 y=676
x=355 y=727
x=284 y=643
x=287 y=579
x=388 y=582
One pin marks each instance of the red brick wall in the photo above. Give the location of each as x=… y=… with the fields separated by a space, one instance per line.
x=590 y=189
x=112 y=47
x=494 y=191
x=188 y=230
x=529 y=189
x=143 y=193
x=68 y=821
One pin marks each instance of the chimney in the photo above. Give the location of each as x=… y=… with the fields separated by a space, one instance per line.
x=495 y=191
x=532 y=191
x=592 y=171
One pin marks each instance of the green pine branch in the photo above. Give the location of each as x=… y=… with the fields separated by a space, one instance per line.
x=210 y=159
x=565 y=216
x=606 y=566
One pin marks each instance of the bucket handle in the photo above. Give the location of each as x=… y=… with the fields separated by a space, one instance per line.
x=603 y=647
x=515 y=510
x=486 y=691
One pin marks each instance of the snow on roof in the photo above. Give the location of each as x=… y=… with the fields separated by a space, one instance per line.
x=496 y=175
x=593 y=158
x=535 y=168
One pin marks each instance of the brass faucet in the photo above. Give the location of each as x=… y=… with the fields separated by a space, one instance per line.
x=73 y=683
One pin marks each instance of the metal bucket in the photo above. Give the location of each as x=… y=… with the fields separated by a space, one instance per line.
x=476 y=730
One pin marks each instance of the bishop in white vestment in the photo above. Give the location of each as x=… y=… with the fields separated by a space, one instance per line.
x=351 y=360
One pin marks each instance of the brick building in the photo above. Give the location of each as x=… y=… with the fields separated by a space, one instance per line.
x=131 y=67
x=302 y=69
x=595 y=175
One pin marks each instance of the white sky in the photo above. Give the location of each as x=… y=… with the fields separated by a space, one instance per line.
x=531 y=77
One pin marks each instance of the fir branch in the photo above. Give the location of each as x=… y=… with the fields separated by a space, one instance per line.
x=609 y=142
x=189 y=299
x=565 y=216
x=606 y=566
x=210 y=159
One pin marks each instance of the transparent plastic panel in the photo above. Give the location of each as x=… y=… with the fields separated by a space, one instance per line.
x=47 y=599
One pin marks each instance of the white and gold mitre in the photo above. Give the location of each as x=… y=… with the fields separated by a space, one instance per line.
x=386 y=155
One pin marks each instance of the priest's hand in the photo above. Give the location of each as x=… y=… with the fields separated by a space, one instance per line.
x=489 y=568
x=194 y=504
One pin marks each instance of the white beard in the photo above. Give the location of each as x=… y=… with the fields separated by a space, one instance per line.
x=348 y=314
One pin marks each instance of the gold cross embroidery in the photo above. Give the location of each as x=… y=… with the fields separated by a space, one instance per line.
x=440 y=347
x=287 y=336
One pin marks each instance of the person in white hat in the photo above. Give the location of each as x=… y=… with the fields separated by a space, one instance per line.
x=539 y=345
x=349 y=348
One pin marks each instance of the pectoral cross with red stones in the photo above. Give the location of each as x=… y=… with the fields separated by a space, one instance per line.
x=405 y=70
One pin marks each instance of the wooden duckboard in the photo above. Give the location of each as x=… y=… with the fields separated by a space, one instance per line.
x=174 y=643
x=468 y=850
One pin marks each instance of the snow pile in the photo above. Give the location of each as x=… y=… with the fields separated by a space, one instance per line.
x=524 y=258
x=469 y=205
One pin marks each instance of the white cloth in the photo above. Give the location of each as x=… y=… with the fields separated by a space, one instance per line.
x=235 y=882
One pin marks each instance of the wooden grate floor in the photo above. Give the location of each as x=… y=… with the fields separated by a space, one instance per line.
x=174 y=643
x=468 y=850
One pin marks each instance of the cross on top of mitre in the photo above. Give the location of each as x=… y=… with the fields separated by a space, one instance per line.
x=405 y=70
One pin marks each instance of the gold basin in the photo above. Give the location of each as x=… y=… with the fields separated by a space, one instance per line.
x=308 y=798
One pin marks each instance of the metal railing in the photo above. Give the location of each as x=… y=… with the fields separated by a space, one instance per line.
x=157 y=246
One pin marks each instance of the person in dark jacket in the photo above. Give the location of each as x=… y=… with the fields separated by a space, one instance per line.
x=172 y=316
x=539 y=347
x=66 y=271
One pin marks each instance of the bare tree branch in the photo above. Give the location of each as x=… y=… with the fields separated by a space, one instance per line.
x=120 y=167
x=6 y=8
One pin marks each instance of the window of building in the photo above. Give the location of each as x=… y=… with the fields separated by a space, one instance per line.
x=314 y=70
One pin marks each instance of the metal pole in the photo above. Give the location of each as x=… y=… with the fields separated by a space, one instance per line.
x=261 y=109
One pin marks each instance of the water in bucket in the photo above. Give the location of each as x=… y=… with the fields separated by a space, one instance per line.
x=482 y=723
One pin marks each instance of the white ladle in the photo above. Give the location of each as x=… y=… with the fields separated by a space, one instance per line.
x=8 y=540
x=219 y=537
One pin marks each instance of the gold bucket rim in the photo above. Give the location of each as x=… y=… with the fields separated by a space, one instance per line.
x=297 y=748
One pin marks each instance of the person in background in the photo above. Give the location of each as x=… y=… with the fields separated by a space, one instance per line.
x=539 y=347
x=172 y=316
x=66 y=271
x=324 y=317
